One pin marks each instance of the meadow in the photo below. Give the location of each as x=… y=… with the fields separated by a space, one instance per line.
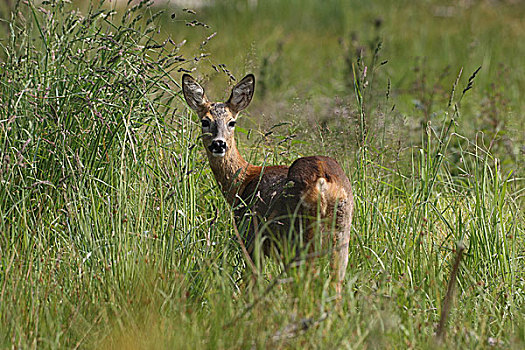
x=114 y=234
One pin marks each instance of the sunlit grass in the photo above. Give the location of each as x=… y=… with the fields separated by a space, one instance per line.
x=114 y=234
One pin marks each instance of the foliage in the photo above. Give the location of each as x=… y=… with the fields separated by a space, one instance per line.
x=115 y=236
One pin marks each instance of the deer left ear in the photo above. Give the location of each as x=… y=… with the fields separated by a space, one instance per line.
x=242 y=94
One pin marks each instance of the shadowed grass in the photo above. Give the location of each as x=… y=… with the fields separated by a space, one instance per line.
x=115 y=236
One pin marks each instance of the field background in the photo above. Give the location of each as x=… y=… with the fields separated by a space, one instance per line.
x=114 y=235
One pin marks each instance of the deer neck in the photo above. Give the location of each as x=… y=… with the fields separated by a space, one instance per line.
x=230 y=172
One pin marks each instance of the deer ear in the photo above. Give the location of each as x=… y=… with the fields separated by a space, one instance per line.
x=242 y=93
x=193 y=93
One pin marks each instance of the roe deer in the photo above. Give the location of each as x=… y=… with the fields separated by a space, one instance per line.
x=312 y=187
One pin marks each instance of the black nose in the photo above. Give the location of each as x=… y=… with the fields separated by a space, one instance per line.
x=218 y=146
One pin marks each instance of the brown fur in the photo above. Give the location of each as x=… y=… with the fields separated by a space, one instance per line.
x=268 y=201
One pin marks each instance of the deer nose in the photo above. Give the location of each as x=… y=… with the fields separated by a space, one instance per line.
x=218 y=146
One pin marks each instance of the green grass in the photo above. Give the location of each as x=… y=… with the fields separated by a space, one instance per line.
x=301 y=53
x=114 y=235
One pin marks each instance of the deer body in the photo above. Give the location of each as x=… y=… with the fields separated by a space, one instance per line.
x=277 y=196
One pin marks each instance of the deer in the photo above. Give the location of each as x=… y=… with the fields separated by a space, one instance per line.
x=280 y=198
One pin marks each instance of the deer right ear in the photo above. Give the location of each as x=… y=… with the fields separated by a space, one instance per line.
x=242 y=93
x=193 y=93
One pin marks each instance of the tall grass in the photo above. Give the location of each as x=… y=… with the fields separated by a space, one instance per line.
x=114 y=234
x=301 y=52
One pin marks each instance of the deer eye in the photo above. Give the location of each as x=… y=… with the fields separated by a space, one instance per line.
x=232 y=124
x=205 y=123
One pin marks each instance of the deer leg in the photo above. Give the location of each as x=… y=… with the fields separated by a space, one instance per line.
x=339 y=259
x=248 y=252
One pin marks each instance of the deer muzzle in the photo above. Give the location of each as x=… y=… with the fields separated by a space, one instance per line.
x=218 y=148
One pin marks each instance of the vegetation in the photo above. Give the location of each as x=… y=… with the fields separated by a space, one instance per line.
x=114 y=235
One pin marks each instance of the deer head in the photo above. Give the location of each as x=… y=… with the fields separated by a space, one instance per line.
x=217 y=118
